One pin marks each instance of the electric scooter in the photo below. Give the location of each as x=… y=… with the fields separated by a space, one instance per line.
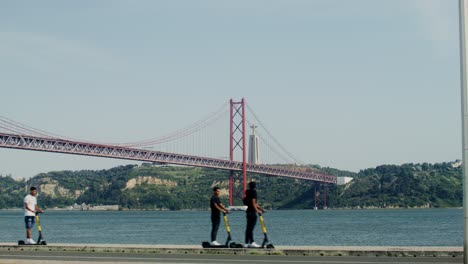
x=229 y=243
x=39 y=239
x=266 y=243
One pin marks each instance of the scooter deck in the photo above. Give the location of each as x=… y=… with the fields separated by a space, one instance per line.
x=207 y=244
x=22 y=243
x=269 y=246
x=235 y=245
x=229 y=245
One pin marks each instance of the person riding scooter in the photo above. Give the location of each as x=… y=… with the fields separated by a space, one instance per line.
x=30 y=211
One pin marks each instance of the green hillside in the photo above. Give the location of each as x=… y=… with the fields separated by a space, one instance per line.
x=173 y=187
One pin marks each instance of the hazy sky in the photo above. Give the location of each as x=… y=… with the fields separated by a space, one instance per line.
x=340 y=83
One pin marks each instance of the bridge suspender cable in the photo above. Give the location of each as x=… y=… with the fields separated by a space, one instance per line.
x=18 y=128
x=272 y=137
x=20 y=136
x=195 y=127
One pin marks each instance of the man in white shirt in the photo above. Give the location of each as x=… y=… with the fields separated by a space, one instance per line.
x=30 y=210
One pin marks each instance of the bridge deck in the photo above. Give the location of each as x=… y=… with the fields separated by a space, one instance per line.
x=63 y=146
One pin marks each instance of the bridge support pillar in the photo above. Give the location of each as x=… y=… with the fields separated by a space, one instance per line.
x=324 y=196
x=316 y=196
x=320 y=203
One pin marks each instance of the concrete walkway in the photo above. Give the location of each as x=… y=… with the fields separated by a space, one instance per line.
x=335 y=251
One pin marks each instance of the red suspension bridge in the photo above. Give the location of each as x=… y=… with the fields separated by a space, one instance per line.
x=187 y=141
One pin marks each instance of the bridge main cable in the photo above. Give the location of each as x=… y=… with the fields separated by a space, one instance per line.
x=26 y=142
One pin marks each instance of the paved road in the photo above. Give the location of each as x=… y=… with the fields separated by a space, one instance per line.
x=88 y=258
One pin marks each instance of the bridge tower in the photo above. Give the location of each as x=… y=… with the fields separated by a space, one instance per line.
x=237 y=180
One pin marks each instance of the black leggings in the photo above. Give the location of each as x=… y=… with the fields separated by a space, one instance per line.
x=215 y=220
x=251 y=221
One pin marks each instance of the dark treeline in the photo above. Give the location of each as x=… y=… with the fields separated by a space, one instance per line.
x=172 y=187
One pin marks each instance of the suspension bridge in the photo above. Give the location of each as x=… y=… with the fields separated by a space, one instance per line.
x=201 y=144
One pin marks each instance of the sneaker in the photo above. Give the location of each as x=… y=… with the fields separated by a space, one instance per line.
x=254 y=245
x=215 y=243
x=30 y=241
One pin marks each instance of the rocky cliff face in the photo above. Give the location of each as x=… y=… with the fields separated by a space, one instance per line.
x=52 y=188
x=132 y=183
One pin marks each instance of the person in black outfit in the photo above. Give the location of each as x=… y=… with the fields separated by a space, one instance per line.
x=216 y=208
x=252 y=210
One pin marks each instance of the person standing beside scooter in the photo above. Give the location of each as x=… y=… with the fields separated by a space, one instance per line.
x=30 y=210
x=253 y=209
x=216 y=208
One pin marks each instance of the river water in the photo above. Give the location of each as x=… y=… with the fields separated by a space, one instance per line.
x=396 y=227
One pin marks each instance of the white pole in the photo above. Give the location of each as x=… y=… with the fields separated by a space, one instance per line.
x=464 y=100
